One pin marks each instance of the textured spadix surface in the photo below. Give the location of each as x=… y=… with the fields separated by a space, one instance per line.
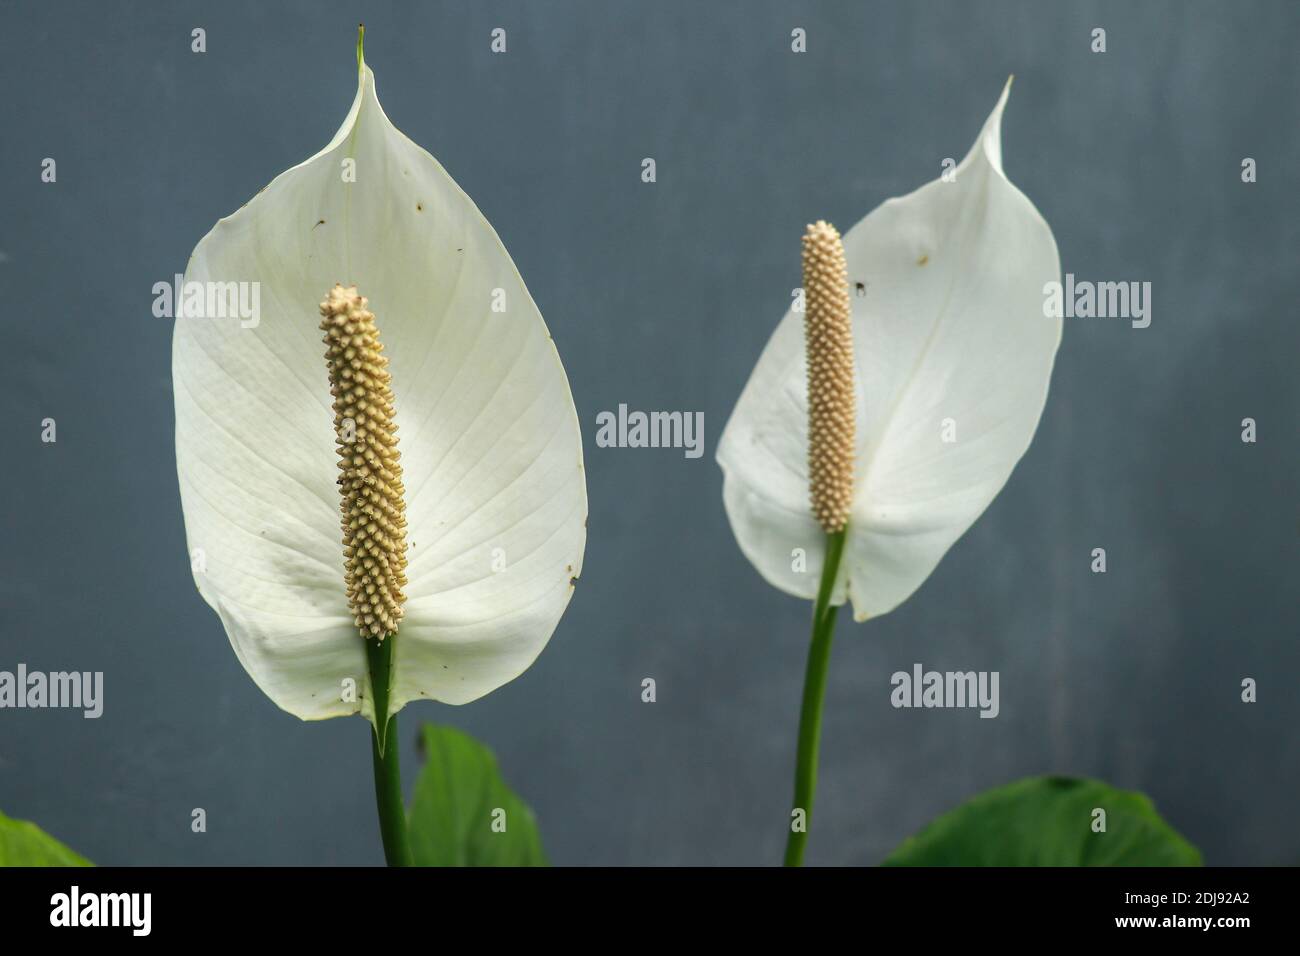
x=492 y=458
x=949 y=325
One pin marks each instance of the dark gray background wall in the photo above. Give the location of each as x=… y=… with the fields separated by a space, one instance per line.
x=661 y=296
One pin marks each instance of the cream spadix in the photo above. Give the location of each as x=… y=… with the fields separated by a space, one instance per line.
x=952 y=358
x=828 y=343
x=374 y=506
x=490 y=489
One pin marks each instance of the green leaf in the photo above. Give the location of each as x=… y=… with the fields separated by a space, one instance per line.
x=461 y=803
x=1048 y=821
x=25 y=844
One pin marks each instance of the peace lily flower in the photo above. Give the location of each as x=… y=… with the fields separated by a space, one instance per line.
x=395 y=509
x=880 y=423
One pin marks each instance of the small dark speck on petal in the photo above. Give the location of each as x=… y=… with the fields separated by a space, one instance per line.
x=419 y=207
x=923 y=260
x=573 y=582
x=319 y=222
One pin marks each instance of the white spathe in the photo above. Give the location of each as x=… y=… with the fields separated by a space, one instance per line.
x=491 y=450
x=950 y=341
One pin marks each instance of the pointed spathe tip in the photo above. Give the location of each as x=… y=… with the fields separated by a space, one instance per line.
x=990 y=138
x=1006 y=94
x=995 y=118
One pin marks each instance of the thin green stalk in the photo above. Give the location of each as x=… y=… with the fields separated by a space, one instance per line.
x=814 y=690
x=384 y=750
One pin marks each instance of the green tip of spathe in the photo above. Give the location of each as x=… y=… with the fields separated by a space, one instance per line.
x=361 y=42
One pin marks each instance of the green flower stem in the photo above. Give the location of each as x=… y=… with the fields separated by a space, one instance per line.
x=814 y=691
x=384 y=750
